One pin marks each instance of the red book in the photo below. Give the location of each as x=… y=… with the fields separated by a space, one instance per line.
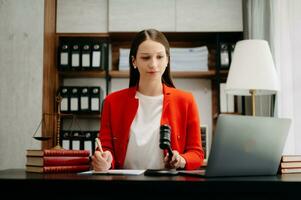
x=56 y=152
x=58 y=169
x=57 y=160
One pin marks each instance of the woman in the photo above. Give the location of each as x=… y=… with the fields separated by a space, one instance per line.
x=131 y=118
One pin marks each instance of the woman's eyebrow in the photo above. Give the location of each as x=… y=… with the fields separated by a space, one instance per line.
x=151 y=53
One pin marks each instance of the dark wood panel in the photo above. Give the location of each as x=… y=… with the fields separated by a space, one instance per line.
x=74 y=186
x=50 y=75
x=83 y=74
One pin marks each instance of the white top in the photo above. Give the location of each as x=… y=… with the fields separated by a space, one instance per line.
x=143 y=151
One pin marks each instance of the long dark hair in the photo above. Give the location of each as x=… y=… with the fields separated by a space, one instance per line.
x=156 y=36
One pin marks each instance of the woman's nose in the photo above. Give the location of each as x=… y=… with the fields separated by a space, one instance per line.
x=152 y=63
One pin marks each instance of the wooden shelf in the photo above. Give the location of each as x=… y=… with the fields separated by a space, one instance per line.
x=210 y=74
x=83 y=34
x=223 y=75
x=230 y=113
x=81 y=116
x=224 y=72
x=189 y=74
x=181 y=36
x=185 y=74
x=119 y=74
x=81 y=74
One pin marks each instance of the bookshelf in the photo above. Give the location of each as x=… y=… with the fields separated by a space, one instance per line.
x=79 y=74
x=53 y=78
x=186 y=74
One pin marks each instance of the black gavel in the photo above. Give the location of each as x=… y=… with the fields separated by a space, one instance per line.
x=165 y=131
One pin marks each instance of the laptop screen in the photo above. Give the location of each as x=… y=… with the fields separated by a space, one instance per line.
x=247 y=146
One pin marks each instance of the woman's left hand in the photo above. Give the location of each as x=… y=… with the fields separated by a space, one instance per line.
x=175 y=162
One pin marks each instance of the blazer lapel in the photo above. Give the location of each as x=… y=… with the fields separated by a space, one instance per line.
x=166 y=107
x=130 y=110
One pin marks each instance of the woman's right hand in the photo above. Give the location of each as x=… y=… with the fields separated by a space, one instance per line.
x=102 y=161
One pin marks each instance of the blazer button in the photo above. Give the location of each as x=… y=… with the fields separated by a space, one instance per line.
x=178 y=137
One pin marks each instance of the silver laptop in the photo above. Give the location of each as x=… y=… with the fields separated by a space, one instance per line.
x=247 y=146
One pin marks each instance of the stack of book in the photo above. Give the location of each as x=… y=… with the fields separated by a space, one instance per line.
x=182 y=59
x=189 y=59
x=57 y=161
x=124 y=54
x=290 y=164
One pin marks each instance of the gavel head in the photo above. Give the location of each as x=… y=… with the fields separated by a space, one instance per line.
x=164 y=136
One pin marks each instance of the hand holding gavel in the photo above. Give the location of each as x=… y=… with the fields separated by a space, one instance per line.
x=165 y=138
x=173 y=159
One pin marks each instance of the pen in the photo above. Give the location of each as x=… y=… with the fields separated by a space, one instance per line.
x=99 y=145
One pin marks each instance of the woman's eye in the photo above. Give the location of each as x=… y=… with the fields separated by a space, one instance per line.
x=159 y=57
x=145 y=58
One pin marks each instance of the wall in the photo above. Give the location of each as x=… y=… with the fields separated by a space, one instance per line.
x=295 y=23
x=21 y=65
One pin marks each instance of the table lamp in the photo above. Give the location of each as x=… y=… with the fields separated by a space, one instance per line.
x=252 y=71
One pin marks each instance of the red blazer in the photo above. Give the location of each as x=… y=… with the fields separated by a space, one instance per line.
x=179 y=111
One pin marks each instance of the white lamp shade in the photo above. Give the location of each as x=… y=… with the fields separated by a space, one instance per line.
x=252 y=68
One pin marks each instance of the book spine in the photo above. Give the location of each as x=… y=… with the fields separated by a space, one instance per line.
x=65 y=169
x=290 y=164
x=291 y=171
x=52 y=152
x=291 y=159
x=62 y=160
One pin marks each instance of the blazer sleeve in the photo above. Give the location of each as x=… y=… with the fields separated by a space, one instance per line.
x=105 y=132
x=194 y=154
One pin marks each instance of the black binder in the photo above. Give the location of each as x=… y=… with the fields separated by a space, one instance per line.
x=84 y=99
x=224 y=56
x=95 y=96
x=204 y=138
x=65 y=139
x=75 y=57
x=86 y=57
x=65 y=102
x=76 y=138
x=97 y=55
x=89 y=140
x=63 y=57
x=232 y=47
x=74 y=99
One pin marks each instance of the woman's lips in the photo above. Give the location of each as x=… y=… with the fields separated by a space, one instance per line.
x=153 y=72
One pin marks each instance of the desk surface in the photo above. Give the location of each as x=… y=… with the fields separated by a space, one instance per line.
x=93 y=185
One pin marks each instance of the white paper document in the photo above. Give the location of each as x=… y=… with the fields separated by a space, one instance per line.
x=115 y=172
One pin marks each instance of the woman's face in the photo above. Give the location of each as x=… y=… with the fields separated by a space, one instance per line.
x=151 y=60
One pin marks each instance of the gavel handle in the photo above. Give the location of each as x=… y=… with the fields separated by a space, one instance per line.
x=170 y=153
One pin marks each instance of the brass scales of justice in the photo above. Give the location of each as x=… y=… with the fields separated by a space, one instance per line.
x=45 y=137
